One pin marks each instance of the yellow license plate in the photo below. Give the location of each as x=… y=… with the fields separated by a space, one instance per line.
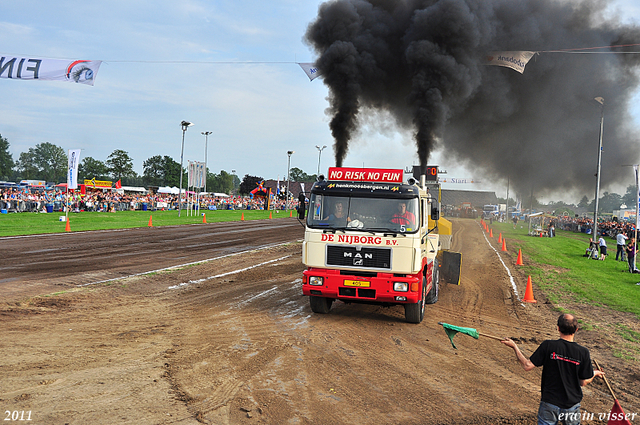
x=359 y=283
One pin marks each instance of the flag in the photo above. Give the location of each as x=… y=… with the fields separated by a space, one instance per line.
x=72 y=169
x=311 y=70
x=119 y=184
x=452 y=330
x=514 y=60
x=617 y=415
x=278 y=187
x=23 y=68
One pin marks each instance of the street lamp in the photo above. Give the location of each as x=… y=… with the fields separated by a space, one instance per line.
x=206 y=142
x=320 y=149
x=184 y=125
x=289 y=153
x=600 y=100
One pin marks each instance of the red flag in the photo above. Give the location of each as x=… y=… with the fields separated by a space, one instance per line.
x=617 y=415
x=118 y=185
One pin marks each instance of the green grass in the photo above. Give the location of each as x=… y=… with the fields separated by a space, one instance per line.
x=39 y=223
x=558 y=267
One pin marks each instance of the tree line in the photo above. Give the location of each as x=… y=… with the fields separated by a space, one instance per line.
x=49 y=162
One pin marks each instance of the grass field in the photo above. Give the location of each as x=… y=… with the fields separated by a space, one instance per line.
x=39 y=223
x=558 y=267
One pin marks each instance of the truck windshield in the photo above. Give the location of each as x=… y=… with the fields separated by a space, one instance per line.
x=363 y=214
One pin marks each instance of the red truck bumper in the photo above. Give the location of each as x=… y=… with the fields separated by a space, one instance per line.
x=378 y=288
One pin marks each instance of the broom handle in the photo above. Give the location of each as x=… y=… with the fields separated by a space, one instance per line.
x=605 y=380
x=491 y=336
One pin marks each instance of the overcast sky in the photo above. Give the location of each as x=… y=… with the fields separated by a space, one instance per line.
x=167 y=61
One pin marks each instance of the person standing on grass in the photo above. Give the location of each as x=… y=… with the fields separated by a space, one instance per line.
x=603 y=248
x=631 y=255
x=566 y=368
x=621 y=241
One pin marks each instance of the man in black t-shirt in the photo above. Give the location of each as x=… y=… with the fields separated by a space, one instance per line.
x=566 y=367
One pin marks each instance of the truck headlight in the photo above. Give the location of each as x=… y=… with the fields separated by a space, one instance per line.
x=400 y=286
x=315 y=280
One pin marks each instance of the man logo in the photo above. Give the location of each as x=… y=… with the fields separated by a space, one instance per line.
x=358 y=261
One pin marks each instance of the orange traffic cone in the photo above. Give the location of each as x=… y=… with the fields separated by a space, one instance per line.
x=204 y=218
x=242 y=217
x=490 y=233
x=519 y=261
x=290 y=213
x=528 y=293
x=270 y=215
x=500 y=238
x=150 y=221
x=67 y=228
x=504 y=244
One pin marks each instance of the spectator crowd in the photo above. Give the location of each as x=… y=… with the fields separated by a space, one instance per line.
x=35 y=200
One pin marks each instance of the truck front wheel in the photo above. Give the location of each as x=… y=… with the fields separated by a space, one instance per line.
x=414 y=313
x=320 y=305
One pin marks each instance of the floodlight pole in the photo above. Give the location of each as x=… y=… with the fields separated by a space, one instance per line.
x=600 y=100
x=320 y=149
x=206 y=142
x=289 y=153
x=184 y=125
x=635 y=236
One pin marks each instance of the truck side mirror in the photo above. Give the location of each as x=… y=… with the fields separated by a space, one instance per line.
x=435 y=211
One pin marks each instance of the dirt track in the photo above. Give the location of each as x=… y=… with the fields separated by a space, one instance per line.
x=232 y=341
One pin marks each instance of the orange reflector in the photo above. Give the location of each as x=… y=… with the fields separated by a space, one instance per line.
x=414 y=286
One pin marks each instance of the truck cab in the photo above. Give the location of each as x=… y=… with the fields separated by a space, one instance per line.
x=370 y=238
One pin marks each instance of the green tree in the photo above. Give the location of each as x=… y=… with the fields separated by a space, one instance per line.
x=161 y=171
x=584 y=202
x=220 y=183
x=153 y=171
x=91 y=168
x=6 y=160
x=120 y=165
x=629 y=198
x=248 y=184
x=297 y=175
x=44 y=162
x=609 y=202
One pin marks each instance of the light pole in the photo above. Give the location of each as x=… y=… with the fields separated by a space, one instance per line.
x=184 y=125
x=289 y=153
x=600 y=100
x=206 y=142
x=320 y=149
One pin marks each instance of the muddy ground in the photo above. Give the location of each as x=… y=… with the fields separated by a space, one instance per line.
x=225 y=336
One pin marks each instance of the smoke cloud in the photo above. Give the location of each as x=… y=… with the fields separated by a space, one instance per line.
x=424 y=62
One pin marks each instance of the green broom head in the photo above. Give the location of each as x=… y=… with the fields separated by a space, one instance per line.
x=452 y=330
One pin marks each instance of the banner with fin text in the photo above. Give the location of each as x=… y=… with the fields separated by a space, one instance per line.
x=28 y=68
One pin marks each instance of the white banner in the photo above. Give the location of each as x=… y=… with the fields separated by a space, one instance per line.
x=196 y=174
x=75 y=71
x=309 y=69
x=72 y=173
x=514 y=60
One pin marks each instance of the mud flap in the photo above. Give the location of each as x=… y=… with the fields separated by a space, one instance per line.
x=451 y=263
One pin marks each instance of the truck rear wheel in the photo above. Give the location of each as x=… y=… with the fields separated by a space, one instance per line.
x=414 y=313
x=320 y=305
x=432 y=296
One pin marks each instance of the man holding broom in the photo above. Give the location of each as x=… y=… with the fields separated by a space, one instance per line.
x=566 y=368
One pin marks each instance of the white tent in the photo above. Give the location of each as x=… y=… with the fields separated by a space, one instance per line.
x=167 y=189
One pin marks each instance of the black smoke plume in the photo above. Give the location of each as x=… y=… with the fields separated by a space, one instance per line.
x=424 y=61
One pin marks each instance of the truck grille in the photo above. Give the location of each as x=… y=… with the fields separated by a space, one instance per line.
x=351 y=256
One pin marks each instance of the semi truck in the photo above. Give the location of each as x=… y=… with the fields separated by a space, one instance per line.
x=372 y=238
